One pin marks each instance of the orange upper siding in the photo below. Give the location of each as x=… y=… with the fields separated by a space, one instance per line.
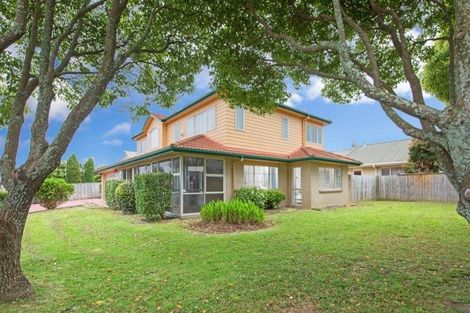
x=261 y=133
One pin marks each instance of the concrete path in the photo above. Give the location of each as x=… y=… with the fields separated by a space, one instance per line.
x=69 y=204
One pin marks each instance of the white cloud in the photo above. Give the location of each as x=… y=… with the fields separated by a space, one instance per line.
x=113 y=142
x=59 y=109
x=314 y=90
x=294 y=98
x=123 y=128
x=403 y=89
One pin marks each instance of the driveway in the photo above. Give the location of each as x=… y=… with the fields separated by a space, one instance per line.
x=69 y=204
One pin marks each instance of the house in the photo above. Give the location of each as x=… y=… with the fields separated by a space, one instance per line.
x=213 y=149
x=379 y=159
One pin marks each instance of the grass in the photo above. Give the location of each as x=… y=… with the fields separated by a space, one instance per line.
x=376 y=257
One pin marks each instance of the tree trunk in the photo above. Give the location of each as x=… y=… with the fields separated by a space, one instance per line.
x=456 y=164
x=13 y=283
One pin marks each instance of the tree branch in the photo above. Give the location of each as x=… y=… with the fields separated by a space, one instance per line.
x=322 y=46
x=24 y=91
x=19 y=28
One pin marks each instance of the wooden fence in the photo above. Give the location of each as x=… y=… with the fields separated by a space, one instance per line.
x=86 y=191
x=419 y=187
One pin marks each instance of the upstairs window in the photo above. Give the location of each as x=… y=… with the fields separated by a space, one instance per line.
x=201 y=123
x=240 y=118
x=139 y=147
x=314 y=134
x=285 y=128
x=330 y=178
x=154 y=138
x=177 y=132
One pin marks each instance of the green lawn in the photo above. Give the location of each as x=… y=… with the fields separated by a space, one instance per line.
x=376 y=257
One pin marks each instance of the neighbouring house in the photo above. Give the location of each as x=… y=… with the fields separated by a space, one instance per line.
x=379 y=159
x=213 y=149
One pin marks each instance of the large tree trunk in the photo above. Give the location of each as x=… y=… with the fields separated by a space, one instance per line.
x=13 y=283
x=455 y=161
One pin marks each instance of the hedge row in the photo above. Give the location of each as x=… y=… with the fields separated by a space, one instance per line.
x=149 y=195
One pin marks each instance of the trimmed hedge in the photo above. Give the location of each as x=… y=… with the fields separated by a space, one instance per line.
x=264 y=199
x=153 y=194
x=232 y=212
x=125 y=197
x=273 y=199
x=110 y=192
x=53 y=192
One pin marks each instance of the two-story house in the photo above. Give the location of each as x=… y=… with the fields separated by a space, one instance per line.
x=212 y=149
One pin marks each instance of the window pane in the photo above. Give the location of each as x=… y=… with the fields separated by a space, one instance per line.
x=193 y=174
x=176 y=183
x=386 y=171
x=248 y=175
x=240 y=118
x=190 y=126
x=216 y=196
x=142 y=169
x=177 y=131
x=210 y=119
x=192 y=203
x=214 y=166
x=285 y=128
x=214 y=183
x=175 y=203
x=176 y=165
x=154 y=138
x=164 y=166
x=155 y=167
x=338 y=182
x=320 y=135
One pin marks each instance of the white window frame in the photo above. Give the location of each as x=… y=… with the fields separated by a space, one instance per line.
x=317 y=134
x=177 y=131
x=256 y=169
x=154 y=138
x=202 y=122
x=335 y=173
x=239 y=118
x=285 y=128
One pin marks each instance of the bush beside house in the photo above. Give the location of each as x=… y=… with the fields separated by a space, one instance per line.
x=232 y=212
x=110 y=192
x=153 y=194
x=125 y=197
x=264 y=199
x=53 y=192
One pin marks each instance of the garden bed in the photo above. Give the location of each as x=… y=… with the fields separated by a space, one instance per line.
x=225 y=228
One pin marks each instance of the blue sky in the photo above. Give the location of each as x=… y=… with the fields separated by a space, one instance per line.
x=107 y=132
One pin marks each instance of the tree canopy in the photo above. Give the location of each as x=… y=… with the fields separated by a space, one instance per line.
x=73 y=170
x=88 y=171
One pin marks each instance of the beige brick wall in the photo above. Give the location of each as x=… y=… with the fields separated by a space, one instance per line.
x=321 y=198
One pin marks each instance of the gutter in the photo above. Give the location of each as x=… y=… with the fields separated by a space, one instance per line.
x=232 y=154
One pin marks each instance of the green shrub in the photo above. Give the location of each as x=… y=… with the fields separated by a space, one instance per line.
x=110 y=192
x=153 y=194
x=265 y=199
x=3 y=195
x=53 y=192
x=273 y=199
x=232 y=212
x=125 y=197
x=251 y=194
